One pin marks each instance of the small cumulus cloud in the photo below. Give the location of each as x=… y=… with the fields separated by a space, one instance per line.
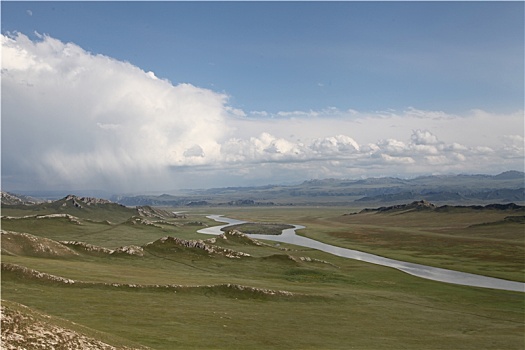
x=397 y=160
x=392 y=146
x=335 y=145
x=424 y=137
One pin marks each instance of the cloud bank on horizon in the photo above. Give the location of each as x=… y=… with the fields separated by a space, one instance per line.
x=72 y=119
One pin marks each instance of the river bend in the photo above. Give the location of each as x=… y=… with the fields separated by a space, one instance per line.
x=423 y=271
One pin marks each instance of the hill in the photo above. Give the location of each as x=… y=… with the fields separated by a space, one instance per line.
x=82 y=207
x=26 y=328
x=15 y=243
x=99 y=279
x=12 y=199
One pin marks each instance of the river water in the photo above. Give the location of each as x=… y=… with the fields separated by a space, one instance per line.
x=428 y=272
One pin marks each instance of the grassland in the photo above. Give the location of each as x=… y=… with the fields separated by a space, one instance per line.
x=178 y=296
x=464 y=239
x=259 y=228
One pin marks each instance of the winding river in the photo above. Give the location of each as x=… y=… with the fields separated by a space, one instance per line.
x=428 y=272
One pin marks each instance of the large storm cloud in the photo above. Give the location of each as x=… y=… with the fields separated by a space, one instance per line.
x=73 y=119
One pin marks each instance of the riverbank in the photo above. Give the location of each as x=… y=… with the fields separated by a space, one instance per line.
x=433 y=273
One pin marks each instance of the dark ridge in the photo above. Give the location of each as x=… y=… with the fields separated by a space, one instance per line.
x=424 y=205
x=510 y=175
x=495 y=206
x=515 y=219
x=417 y=205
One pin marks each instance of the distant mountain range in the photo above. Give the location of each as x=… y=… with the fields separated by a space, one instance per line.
x=507 y=187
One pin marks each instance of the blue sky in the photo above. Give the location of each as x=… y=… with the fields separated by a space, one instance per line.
x=292 y=91
x=278 y=56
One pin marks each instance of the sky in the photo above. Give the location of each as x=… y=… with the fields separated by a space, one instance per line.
x=155 y=96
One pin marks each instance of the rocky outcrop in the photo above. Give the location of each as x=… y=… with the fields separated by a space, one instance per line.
x=172 y=243
x=71 y=218
x=17 y=243
x=89 y=248
x=129 y=250
x=308 y=259
x=151 y=212
x=239 y=237
x=284 y=258
x=79 y=201
x=34 y=274
x=228 y=289
x=86 y=247
x=254 y=290
x=9 y=199
x=24 y=328
x=137 y=220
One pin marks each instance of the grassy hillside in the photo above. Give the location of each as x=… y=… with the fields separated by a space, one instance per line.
x=177 y=289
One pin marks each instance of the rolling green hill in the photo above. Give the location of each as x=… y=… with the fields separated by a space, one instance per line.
x=130 y=278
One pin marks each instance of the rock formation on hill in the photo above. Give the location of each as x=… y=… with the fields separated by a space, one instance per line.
x=12 y=199
x=80 y=201
x=25 y=328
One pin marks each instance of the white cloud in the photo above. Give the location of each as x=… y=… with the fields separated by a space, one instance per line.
x=513 y=146
x=392 y=147
x=437 y=160
x=424 y=137
x=397 y=160
x=340 y=144
x=89 y=117
x=74 y=119
x=194 y=151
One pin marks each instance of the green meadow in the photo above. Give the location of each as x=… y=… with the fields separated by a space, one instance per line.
x=486 y=242
x=233 y=292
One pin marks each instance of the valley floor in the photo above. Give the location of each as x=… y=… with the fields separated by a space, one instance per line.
x=202 y=292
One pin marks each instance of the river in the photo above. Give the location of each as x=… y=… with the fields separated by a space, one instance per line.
x=428 y=272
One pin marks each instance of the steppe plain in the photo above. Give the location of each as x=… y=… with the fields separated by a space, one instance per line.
x=77 y=272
